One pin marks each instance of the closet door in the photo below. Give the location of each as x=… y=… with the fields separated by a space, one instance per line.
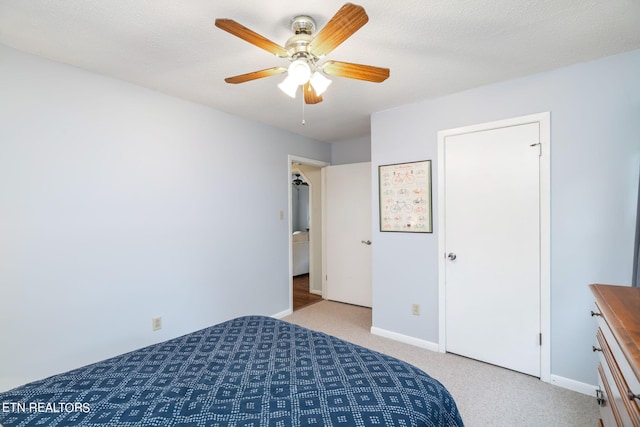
x=492 y=241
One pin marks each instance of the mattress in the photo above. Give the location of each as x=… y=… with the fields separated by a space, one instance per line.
x=249 y=371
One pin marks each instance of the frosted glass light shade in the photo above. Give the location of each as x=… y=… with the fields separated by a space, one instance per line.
x=289 y=86
x=299 y=71
x=319 y=82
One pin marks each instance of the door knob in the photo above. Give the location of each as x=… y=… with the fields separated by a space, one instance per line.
x=366 y=242
x=451 y=256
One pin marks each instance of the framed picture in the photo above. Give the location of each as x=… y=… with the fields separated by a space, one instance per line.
x=405 y=197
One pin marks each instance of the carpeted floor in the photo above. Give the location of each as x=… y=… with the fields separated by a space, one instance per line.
x=487 y=396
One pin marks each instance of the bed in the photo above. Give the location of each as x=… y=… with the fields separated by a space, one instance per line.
x=250 y=371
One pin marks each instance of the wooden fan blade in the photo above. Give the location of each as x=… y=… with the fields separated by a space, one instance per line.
x=356 y=71
x=239 y=30
x=349 y=19
x=255 y=75
x=310 y=96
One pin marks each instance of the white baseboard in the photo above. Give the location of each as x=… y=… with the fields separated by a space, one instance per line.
x=282 y=314
x=573 y=385
x=569 y=384
x=428 y=345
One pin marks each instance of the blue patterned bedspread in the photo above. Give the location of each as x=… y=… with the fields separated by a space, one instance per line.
x=250 y=371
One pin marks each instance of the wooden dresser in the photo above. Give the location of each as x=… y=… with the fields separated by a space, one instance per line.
x=617 y=309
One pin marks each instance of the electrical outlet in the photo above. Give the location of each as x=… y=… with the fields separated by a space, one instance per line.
x=281 y=215
x=156 y=323
x=415 y=309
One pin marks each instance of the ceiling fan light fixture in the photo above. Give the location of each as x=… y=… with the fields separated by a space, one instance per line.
x=289 y=86
x=304 y=50
x=319 y=82
x=299 y=71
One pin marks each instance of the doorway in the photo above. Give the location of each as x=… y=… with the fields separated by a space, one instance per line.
x=493 y=205
x=305 y=231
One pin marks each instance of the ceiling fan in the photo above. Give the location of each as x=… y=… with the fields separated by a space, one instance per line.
x=306 y=52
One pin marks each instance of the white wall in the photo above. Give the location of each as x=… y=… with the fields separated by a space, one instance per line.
x=355 y=150
x=595 y=140
x=303 y=205
x=299 y=207
x=118 y=204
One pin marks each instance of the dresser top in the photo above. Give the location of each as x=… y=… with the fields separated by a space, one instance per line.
x=620 y=306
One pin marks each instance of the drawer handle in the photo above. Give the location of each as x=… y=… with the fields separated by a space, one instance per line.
x=632 y=396
x=594 y=348
x=593 y=313
x=600 y=398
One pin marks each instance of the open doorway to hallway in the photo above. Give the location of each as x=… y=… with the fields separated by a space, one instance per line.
x=301 y=295
x=306 y=231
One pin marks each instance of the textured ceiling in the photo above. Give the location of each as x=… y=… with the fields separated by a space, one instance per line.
x=433 y=48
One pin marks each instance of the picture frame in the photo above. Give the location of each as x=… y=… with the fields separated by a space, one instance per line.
x=405 y=197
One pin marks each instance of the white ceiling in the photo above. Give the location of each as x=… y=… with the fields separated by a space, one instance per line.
x=433 y=48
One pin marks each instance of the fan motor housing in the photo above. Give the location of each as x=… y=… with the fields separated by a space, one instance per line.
x=303 y=26
x=298 y=43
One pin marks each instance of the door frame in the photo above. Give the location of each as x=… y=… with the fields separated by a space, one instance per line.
x=311 y=162
x=543 y=120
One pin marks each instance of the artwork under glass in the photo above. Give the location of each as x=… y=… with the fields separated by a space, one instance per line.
x=405 y=197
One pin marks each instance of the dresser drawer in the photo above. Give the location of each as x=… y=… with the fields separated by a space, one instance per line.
x=618 y=337
x=615 y=386
x=619 y=375
x=609 y=414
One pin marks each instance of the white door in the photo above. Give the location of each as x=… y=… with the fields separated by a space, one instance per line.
x=492 y=245
x=348 y=233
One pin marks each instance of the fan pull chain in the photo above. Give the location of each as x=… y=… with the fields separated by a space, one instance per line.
x=302 y=97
